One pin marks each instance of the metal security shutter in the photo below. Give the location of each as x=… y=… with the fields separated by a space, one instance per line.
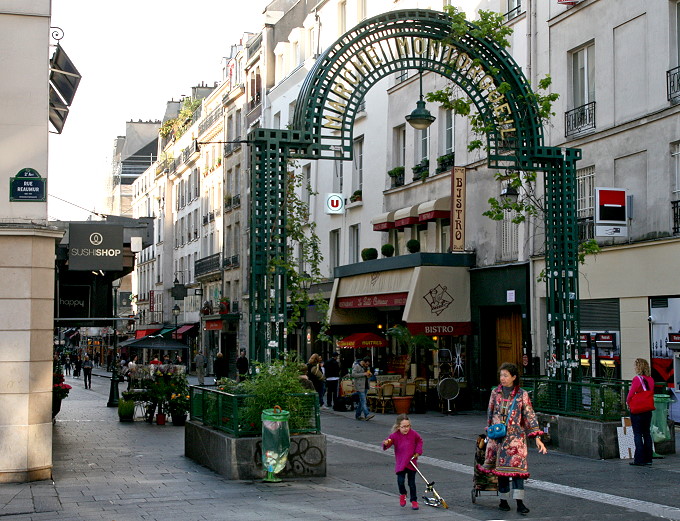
x=600 y=315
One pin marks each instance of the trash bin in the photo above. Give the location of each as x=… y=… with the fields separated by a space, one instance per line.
x=659 y=429
x=275 y=441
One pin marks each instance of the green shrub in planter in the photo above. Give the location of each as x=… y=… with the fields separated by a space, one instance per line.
x=413 y=246
x=369 y=254
x=126 y=410
x=387 y=250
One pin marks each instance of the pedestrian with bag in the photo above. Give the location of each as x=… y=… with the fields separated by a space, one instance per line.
x=640 y=401
x=407 y=444
x=510 y=421
x=360 y=375
x=316 y=374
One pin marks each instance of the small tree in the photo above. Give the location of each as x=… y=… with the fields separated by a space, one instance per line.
x=369 y=254
x=387 y=250
x=413 y=246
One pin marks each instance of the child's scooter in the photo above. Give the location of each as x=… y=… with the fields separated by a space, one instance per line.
x=435 y=500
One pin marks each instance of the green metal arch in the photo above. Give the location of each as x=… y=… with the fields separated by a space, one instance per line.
x=381 y=33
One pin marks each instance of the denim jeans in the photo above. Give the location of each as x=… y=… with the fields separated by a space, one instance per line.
x=401 y=476
x=504 y=487
x=641 y=435
x=362 y=407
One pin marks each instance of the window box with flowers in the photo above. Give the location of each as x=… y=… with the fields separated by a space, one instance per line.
x=421 y=170
x=356 y=196
x=224 y=305
x=445 y=162
x=397 y=175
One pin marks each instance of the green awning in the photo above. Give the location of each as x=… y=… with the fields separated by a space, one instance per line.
x=166 y=331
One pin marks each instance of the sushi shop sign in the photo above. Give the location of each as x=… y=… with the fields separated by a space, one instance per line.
x=27 y=186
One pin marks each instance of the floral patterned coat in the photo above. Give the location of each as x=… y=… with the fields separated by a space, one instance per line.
x=508 y=456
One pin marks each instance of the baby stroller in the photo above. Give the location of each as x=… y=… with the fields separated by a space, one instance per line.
x=482 y=482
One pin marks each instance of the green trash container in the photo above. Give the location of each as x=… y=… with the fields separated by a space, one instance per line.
x=275 y=441
x=659 y=429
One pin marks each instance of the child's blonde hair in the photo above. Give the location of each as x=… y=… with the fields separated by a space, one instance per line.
x=398 y=421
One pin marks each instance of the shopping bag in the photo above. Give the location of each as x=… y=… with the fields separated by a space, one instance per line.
x=642 y=401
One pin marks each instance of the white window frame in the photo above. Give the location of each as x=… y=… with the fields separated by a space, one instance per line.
x=358 y=164
x=585 y=192
x=423 y=144
x=333 y=250
x=675 y=165
x=354 y=243
x=582 y=63
x=448 y=141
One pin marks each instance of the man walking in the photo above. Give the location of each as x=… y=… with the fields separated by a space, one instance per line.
x=242 y=366
x=200 y=367
x=87 y=372
x=360 y=374
x=221 y=367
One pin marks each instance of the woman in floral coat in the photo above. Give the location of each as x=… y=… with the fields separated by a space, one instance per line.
x=507 y=457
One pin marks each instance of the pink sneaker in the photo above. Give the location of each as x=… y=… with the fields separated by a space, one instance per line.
x=414 y=505
x=402 y=500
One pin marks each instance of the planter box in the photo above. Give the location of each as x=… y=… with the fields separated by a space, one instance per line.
x=241 y=458
x=589 y=438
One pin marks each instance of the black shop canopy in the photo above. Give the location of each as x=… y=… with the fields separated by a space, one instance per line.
x=154 y=342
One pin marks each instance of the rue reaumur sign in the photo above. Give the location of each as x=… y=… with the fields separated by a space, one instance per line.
x=27 y=186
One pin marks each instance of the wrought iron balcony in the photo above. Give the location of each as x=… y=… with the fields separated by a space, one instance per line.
x=208 y=265
x=512 y=13
x=673 y=85
x=235 y=260
x=236 y=201
x=234 y=308
x=211 y=216
x=675 y=206
x=205 y=219
x=579 y=119
x=227 y=262
x=191 y=152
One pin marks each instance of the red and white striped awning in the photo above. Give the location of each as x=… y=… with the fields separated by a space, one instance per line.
x=406 y=216
x=383 y=222
x=437 y=209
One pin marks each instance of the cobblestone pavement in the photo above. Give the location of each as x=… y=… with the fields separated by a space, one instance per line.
x=108 y=470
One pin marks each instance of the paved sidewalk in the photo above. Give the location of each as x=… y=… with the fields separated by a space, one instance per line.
x=108 y=470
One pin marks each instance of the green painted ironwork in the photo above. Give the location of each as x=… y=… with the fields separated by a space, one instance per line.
x=323 y=129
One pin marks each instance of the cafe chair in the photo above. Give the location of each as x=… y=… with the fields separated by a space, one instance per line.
x=384 y=397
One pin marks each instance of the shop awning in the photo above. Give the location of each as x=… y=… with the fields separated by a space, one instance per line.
x=406 y=216
x=184 y=329
x=435 y=299
x=166 y=330
x=436 y=209
x=362 y=341
x=140 y=333
x=383 y=222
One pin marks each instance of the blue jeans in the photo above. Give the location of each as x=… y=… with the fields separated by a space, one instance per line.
x=362 y=407
x=641 y=435
x=504 y=487
x=401 y=476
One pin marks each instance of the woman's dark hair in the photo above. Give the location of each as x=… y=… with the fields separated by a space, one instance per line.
x=510 y=368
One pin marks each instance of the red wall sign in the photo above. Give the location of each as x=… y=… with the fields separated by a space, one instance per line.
x=373 y=301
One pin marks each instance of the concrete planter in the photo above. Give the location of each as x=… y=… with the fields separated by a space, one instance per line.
x=241 y=458
x=589 y=438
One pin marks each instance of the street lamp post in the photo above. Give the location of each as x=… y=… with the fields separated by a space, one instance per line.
x=305 y=284
x=113 y=390
x=175 y=313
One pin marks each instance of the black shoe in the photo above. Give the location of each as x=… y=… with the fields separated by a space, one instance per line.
x=637 y=464
x=503 y=505
x=521 y=508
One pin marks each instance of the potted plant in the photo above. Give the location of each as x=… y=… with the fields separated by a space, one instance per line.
x=421 y=170
x=413 y=246
x=126 y=407
x=387 y=250
x=224 y=305
x=178 y=405
x=445 y=162
x=356 y=196
x=369 y=254
x=60 y=389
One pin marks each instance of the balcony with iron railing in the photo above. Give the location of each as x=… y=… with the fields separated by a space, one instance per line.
x=191 y=152
x=675 y=207
x=673 y=84
x=586 y=229
x=234 y=307
x=513 y=13
x=208 y=265
x=236 y=201
x=226 y=264
x=210 y=119
x=235 y=261
x=211 y=216
x=580 y=119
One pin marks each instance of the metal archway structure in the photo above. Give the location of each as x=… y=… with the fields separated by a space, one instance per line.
x=322 y=128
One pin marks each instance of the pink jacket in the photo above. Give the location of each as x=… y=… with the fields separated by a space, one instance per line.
x=405 y=446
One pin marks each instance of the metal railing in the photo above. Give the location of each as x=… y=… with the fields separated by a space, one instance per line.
x=579 y=119
x=206 y=265
x=586 y=229
x=675 y=208
x=228 y=412
x=236 y=200
x=593 y=398
x=210 y=119
x=673 y=84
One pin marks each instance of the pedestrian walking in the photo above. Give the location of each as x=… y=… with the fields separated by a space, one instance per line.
x=67 y=365
x=77 y=366
x=87 y=372
x=221 y=367
x=199 y=360
x=316 y=375
x=332 y=372
x=360 y=375
x=506 y=457
x=242 y=365
x=407 y=444
x=641 y=421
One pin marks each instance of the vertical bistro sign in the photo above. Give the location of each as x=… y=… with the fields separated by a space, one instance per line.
x=95 y=247
x=27 y=186
x=458 y=209
x=366 y=62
